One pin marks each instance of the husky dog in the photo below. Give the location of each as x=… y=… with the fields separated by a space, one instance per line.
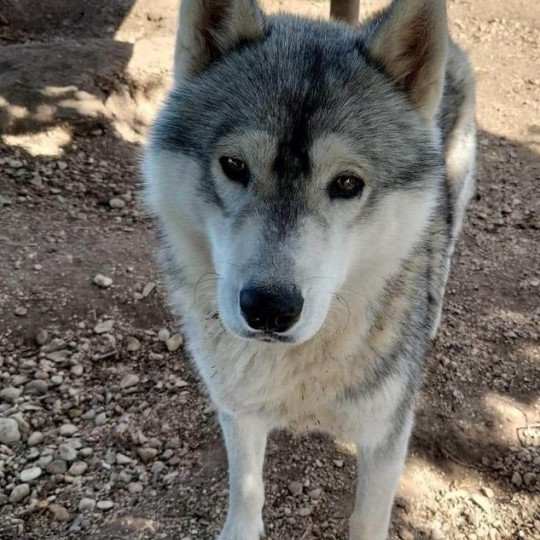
x=310 y=179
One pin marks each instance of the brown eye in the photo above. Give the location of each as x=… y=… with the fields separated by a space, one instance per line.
x=234 y=169
x=345 y=186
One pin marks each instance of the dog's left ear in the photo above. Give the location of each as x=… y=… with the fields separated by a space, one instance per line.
x=209 y=28
x=411 y=42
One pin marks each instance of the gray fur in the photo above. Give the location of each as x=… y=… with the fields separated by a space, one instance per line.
x=301 y=101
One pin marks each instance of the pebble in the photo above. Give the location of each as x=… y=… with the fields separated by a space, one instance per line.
x=157 y=467
x=482 y=502
x=148 y=288
x=164 y=334
x=35 y=438
x=100 y=419
x=77 y=370
x=488 y=492
x=19 y=493
x=517 y=480
x=405 y=534
x=18 y=380
x=122 y=459
x=30 y=474
x=58 y=466
x=10 y=394
x=295 y=488
x=304 y=512
x=102 y=281
x=338 y=463
x=104 y=326
x=86 y=504
x=67 y=430
x=21 y=311
x=147 y=454
x=135 y=487
x=130 y=379
x=59 y=512
x=41 y=337
x=104 y=505
x=117 y=203
x=174 y=342
x=67 y=452
x=37 y=387
x=57 y=380
x=9 y=431
x=132 y=344
x=78 y=468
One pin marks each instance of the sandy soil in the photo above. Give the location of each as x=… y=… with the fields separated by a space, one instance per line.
x=111 y=434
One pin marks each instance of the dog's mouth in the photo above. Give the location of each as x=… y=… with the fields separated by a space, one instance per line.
x=267 y=337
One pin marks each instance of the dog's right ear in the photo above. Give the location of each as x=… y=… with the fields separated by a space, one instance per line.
x=209 y=28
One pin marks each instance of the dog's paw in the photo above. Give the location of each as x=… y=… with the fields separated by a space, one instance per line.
x=237 y=530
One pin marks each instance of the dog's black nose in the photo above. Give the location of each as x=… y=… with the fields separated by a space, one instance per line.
x=271 y=310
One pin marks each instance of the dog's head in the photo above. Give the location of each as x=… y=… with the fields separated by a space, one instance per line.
x=301 y=155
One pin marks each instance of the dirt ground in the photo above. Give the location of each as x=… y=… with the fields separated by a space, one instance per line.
x=108 y=433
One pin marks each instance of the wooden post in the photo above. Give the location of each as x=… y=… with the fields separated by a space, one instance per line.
x=345 y=10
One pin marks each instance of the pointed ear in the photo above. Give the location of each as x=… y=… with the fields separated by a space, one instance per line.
x=411 y=41
x=209 y=28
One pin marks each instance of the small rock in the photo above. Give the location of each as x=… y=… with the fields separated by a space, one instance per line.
x=405 y=534
x=78 y=468
x=57 y=380
x=30 y=474
x=135 y=487
x=164 y=334
x=21 y=311
x=117 y=203
x=488 y=492
x=517 y=480
x=132 y=344
x=482 y=502
x=67 y=430
x=37 y=387
x=41 y=337
x=148 y=288
x=86 y=504
x=529 y=478
x=147 y=454
x=19 y=493
x=59 y=512
x=174 y=342
x=104 y=326
x=100 y=419
x=77 y=370
x=122 y=459
x=59 y=356
x=130 y=379
x=10 y=394
x=315 y=493
x=58 y=466
x=304 y=512
x=9 y=431
x=338 y=463
x=157 y=467
x=67 y=452
x=105 y=505
x=102 y=281
x=295 y=488
x=35 y=438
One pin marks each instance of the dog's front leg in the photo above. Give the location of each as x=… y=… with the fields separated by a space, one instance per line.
x=245 y=438
x=378 y=469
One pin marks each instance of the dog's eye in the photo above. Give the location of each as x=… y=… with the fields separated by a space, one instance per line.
x=345 y=186
x=235 y=169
